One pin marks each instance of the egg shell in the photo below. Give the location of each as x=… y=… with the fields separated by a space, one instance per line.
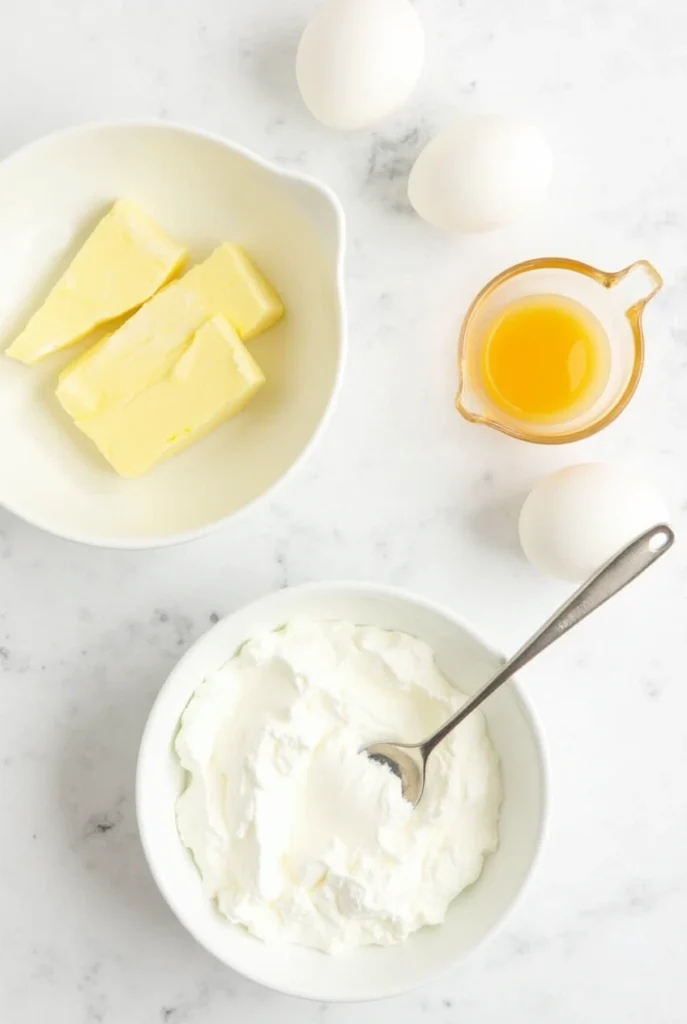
x=359 y=60
x=481 y=174
x=577 y=518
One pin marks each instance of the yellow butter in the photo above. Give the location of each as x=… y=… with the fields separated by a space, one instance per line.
x=254 y=305
x=124 y=261
x=145 y=348
x=213 y=380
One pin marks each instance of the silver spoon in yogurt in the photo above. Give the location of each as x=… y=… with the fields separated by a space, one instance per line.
x=409 y=760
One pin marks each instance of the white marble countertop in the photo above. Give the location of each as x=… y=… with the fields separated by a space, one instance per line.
x=400 y=491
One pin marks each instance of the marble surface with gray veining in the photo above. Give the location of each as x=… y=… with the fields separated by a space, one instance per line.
x=400 y=491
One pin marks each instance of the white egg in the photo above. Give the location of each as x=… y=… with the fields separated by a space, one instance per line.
x=359 y=60
x=480 y=174
x=576 y=519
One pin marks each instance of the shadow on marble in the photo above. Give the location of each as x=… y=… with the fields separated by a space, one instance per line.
x=494 y=520
x=94 y=817
x=273 y=64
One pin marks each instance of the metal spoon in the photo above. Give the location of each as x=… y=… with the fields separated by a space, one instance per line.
x=409 y=760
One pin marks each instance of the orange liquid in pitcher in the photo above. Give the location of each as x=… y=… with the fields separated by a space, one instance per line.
x=544 y=359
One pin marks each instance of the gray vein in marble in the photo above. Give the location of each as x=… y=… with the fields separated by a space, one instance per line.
x=388 y=166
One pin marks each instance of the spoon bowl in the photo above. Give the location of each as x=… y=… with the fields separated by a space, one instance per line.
x=406 y=761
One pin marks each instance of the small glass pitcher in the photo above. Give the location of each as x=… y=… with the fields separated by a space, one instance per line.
x=617 y=300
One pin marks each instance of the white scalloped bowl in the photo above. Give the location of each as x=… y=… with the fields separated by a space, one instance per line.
x=370 y=972
x=202 y=190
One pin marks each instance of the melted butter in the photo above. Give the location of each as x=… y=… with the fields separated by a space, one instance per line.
x=544 y=359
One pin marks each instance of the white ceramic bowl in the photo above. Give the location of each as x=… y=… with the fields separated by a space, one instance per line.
x=203 y=190
x=371 y=972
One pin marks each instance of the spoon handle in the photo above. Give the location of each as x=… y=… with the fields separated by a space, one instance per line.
x=637 y=556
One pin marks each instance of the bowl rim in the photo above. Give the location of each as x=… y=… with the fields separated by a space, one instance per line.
x=396 y=593
x=150 y=542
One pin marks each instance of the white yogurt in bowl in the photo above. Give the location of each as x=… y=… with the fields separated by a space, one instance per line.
x=358 y=972
x=297 y=835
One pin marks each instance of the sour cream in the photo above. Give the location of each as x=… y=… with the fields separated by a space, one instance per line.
x=299 y=837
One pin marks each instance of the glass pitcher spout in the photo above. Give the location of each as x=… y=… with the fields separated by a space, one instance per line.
x=638 y=284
